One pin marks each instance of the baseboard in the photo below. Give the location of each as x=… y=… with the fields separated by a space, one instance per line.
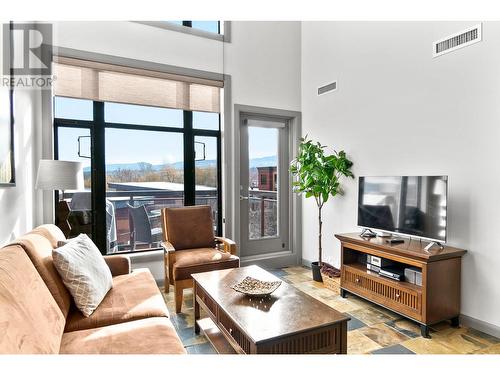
x=480 y=325
x=306 y=263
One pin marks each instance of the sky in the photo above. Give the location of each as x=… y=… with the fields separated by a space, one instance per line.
x=210 y=26
x=132 y=146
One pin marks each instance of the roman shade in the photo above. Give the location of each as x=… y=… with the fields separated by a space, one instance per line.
x=83 y=79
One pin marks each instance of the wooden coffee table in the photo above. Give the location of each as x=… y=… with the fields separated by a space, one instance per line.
x=287 y=322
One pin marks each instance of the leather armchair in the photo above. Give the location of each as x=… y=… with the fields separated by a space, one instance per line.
x=190 y=247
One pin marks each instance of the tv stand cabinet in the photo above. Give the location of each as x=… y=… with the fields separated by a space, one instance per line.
x=436 y=300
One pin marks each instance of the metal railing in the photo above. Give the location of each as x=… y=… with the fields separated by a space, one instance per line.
x=263 y=213
x=154 y=201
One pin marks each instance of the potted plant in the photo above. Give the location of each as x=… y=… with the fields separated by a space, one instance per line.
x=318 y=175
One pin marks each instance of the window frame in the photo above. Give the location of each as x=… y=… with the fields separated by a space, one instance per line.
x=98 y=128
x=168 y=25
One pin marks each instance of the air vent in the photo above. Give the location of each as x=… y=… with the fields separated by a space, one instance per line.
x=327 y=88
x=456 y=41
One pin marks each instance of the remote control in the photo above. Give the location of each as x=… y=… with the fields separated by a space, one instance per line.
x=393 y=241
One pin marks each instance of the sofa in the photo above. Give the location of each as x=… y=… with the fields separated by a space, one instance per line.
x=38 y=315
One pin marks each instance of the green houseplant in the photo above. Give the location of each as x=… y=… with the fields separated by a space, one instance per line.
x=318 y=175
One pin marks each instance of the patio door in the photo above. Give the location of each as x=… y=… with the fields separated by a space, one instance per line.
x=264 y=187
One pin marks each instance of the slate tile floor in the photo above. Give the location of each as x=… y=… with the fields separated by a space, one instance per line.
x=371 y=330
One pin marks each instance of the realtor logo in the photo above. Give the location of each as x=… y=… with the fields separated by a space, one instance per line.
x=27 y=49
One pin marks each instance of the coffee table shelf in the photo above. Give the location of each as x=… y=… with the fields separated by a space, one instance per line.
x=215 y=336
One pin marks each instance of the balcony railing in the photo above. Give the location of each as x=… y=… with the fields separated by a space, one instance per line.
x=120 y=223
x=263 y=214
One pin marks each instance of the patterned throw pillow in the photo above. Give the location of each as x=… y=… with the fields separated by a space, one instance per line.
x=84 y=272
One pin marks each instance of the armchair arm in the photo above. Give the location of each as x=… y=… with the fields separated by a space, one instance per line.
x=118 y=264
x=229 y=245
x=169 y=260
x=167 y=246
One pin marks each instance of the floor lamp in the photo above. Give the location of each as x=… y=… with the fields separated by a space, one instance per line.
x=60 y=175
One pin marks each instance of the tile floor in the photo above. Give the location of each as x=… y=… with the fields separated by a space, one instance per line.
x=371 y=330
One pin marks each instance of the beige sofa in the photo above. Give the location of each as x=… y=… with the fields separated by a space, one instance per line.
x=38 y=315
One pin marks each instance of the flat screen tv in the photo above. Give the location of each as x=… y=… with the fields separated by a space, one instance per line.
x=409 y=205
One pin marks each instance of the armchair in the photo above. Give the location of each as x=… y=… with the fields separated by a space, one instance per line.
x=190 y=247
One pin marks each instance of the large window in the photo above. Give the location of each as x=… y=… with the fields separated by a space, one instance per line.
x=138 y=159
x=208 y=26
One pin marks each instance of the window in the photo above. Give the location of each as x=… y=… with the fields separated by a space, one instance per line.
x=142 y=115
x=263 y=179
x=210 y=26
x=155 y=144
x=206 y=120
x=73 y=109
x=216 y=30
x=144 y=167
x=73 y=143
x=144 y=173
x=207 y=175
x=207 y=26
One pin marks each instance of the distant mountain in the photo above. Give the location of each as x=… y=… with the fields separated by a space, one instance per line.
x=267 y=161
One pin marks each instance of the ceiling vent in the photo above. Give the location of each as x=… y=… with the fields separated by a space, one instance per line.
x=459 y=40
x=327 y=88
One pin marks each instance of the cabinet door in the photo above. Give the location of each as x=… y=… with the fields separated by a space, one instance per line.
x=392 y=294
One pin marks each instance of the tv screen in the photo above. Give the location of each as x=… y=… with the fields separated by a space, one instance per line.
x=411 y=205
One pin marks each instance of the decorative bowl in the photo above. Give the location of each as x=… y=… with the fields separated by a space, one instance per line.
x=255 y=287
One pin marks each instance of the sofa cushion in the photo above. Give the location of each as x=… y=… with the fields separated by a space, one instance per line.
x=189 y=227
x=84 y=272
x=31 y=322
x=50 y=232
x=39 y=250
x=145 y=336
x=192 y=261
x=133 y=296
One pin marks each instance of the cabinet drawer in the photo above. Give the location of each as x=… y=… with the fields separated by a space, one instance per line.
x=226 y=324
x=395 y=295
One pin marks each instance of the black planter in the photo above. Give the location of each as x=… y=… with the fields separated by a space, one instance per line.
x=316 y=269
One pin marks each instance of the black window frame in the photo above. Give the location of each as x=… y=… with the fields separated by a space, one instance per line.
x=98 y=128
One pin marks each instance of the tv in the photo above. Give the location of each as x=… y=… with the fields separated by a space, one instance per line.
x=407 y=205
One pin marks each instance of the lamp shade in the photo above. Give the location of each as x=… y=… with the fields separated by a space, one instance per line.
x=59 y=175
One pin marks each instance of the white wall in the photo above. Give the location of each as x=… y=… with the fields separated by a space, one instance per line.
x=17 y=203
x=141 y=42
x=263 y=60
x=398 y=111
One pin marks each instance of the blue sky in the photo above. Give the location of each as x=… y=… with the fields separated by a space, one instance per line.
x=262 y=142
x=131 y=146
x=210 y=26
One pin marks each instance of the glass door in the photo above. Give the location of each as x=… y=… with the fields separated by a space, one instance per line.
x=264 y=190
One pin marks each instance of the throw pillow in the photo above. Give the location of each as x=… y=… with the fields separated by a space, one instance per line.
x=84 y=272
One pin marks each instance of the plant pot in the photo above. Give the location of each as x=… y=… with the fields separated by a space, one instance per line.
x=316 y=270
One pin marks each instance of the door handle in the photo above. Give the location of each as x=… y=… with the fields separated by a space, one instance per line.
x=243 y=198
